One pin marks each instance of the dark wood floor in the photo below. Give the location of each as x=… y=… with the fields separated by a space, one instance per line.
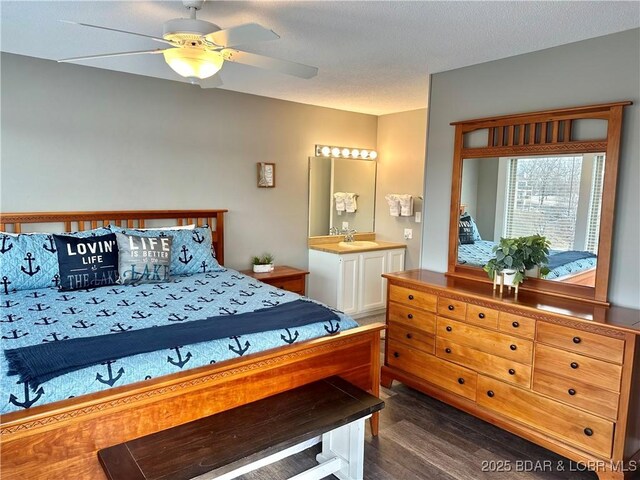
x=422 y=438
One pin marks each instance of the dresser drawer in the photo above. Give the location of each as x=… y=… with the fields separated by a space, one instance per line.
x=446 y=375
x=582 y=395
x=415 y=338
x=496 y=343
x=591 y=344
x=413 y=298
x=564 y=422
x=413 y=317
x=452 y=308
x=293 y=285
x=578 y=367
x=501 y=368
x=484 y=317
x=517 y=325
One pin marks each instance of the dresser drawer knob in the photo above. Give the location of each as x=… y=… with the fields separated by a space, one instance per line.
x=409 y=336
x=410 y=316
x=574 y=365
x=490 y=394
x=461 y=381
x=571 y=391
x=577 y=339
x=588 y=432
x=447 y=350
x=396 y=354
x=449 y=328
x=513 y=347
x=515 y=324
x=512 y=371
x=410 y=297
x=481 y=315
x=451 y=307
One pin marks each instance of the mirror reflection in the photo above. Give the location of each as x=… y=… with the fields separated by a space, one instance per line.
x=558 y=197
x=341 y=194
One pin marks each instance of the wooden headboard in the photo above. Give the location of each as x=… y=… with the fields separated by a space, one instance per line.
x=79 y=221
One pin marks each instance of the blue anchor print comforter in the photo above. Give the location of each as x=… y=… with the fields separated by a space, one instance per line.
x=30 y=317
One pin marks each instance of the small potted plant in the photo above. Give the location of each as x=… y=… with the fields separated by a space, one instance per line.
x=535 y=251
x=507 y=267
x=263 y=264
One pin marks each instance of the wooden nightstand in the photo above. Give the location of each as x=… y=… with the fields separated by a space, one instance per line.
x=287 y=278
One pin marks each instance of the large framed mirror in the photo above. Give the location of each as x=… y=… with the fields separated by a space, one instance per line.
x=551 y=173
x=331 y=175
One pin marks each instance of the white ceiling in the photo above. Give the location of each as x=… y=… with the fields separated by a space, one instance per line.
x=374 y=57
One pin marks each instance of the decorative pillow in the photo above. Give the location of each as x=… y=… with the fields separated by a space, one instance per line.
x=29 y=261
x=191 y=226
x=143 y=259
x=87 y=262
x=465 y=230
x=476 y=232
x=191 y=250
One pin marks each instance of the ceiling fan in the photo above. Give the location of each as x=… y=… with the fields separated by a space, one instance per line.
x=198 y=48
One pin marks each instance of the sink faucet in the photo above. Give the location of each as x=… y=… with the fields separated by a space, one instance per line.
x=348 y=234
x=334 y=231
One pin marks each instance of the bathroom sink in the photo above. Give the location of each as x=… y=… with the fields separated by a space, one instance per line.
x=358 y=244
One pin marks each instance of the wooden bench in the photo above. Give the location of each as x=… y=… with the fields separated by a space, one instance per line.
x=231 y=443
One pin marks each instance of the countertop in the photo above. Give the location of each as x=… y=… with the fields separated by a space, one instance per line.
x=337 y=249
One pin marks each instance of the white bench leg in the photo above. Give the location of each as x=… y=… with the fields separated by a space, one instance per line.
x=347 y=444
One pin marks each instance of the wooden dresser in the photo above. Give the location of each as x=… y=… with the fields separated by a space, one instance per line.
x=562 y=373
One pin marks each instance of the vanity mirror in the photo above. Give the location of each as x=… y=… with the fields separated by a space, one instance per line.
x=329 y=175
x=551 y=173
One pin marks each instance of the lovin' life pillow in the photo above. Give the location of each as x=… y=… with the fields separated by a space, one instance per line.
x=143 y=259
x=29 y=260
x=191 y=250
x=87 y=262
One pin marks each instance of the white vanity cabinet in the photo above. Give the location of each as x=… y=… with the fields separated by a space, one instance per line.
x=352 y=282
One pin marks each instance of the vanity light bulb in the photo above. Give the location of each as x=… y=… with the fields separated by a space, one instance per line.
x=355 y=153
x=373 y=155
x=345 y=152
x=325 y=151
x=335 y=151
x=364 y=153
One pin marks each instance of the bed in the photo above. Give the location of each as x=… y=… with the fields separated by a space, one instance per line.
x=125 y=399
x=579 y=270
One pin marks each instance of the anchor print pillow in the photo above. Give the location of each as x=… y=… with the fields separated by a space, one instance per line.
x=143 y=259
x=191 y=250
x=29 y=261
x=87 y=262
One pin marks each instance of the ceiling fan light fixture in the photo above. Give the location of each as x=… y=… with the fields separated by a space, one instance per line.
x=193 y=62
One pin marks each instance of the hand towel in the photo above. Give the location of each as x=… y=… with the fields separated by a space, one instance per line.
x=350 y=204
x=339 y=201
x=406 y=205
x=394 y=204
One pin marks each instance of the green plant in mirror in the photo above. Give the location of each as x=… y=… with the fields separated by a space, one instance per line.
x=535 y=251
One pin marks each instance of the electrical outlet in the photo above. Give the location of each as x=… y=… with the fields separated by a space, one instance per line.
x=418 y=217
x=408 y=233
x=345 y=225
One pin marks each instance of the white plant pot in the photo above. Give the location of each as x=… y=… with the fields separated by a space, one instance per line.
x=533 y=272
x=263 y=268
x=507 y=277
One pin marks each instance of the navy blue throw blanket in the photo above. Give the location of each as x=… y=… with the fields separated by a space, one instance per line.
x=562 y=258
x=38 y=363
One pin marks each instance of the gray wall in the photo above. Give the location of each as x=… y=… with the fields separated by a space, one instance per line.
x=401 y=148
x=80 y=138
x=598 y=70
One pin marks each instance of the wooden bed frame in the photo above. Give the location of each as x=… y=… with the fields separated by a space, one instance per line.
x=61 y=439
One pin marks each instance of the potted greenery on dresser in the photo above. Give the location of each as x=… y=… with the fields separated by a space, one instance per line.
x=516 y=258
x=263 y=264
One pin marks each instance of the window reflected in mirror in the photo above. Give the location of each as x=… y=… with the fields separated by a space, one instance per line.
x=558 y=197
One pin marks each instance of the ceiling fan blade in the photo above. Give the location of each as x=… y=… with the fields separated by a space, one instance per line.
x=241 y=35
x=157 y=39
x=211 y=82
x=269 y=63
x=119 y=54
